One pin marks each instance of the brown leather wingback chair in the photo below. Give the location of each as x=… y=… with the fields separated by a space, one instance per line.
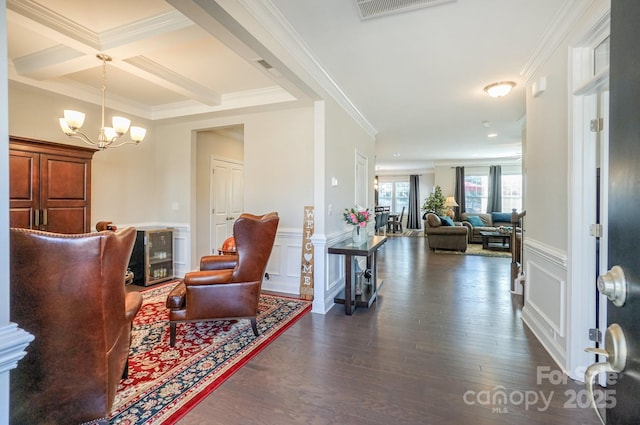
x=67 y=290
x=227 y=286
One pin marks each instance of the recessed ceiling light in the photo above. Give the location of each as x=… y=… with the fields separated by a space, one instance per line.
x=395 y=155
x=499 y=89
x=486 y=124
x=492 y=135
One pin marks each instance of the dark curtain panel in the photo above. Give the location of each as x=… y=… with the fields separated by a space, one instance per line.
x=413 y=215
x=494 y=202
x=459 y=193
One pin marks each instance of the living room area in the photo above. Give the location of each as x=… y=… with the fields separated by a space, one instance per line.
x=440 y=318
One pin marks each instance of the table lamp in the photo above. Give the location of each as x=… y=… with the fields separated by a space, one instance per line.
x=450 y=202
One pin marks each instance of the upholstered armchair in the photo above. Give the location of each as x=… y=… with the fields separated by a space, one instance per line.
x=442 y=236
x=227 y=286
x=68 y=291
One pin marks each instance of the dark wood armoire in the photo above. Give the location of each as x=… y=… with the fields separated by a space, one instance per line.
x=49 y=186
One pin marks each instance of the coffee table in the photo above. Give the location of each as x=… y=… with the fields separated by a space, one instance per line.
x=504 y=237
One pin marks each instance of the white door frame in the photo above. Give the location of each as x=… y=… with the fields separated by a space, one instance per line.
x=584 y=103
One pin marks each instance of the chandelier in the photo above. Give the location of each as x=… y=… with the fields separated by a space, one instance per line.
x=73 y=120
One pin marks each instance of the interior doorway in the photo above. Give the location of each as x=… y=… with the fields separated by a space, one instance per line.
x=588 y=211
x=221 y=148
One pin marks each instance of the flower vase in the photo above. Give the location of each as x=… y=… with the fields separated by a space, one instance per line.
x=359 y=235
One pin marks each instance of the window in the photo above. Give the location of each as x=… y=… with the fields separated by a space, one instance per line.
x=476 y=192
x=511 y=192
x=394 y=194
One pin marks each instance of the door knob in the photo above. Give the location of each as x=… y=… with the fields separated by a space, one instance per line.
x=613 y=284
x=615 y=352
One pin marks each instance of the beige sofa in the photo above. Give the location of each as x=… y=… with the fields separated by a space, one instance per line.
x=490 y=223
x=445 y=237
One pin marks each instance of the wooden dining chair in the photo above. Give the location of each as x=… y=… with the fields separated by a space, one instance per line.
x=395 y=222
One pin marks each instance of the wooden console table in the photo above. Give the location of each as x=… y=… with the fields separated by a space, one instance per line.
x=369 y=292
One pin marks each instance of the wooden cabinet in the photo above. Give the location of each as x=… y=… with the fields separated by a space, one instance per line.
x=49 y=186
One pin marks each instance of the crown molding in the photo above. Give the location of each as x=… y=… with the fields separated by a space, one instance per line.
x=279 y=28
x=125 y=34
x=569 y=13
x=145 y=28
x=50 y=19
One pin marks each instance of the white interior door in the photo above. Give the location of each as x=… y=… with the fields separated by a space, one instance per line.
x=226 y=198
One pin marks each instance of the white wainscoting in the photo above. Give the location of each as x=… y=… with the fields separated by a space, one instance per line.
x=545 y=308
x=181 y=249
x=335 y=271
x=285 y=263
x=283 y=267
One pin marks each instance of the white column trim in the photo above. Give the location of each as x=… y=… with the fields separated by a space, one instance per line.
x=13 y=342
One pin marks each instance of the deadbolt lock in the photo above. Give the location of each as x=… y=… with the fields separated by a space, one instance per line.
x=613 y=284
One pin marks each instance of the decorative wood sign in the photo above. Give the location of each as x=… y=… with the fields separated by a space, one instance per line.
x=306 y=266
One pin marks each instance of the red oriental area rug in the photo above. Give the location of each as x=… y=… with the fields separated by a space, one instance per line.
x=164 y=383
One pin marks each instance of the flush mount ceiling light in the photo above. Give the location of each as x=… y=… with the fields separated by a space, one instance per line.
x=73 y=120
x=499 y=89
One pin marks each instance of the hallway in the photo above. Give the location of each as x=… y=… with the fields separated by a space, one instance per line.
x=444 y=344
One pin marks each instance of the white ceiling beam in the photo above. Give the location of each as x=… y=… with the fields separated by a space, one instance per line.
x=151 y=27
x=154 y=72
x=52 y=62
x=78 y=45
x=232 y=101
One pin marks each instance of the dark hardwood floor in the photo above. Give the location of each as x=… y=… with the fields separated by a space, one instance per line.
x=441 y=344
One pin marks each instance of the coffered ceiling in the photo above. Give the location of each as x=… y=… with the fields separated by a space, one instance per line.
x=416 y=77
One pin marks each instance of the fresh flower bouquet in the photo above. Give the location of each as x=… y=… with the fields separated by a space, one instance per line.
x=357 y=216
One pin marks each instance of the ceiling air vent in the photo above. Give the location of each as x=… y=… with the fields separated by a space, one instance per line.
x=376 y=8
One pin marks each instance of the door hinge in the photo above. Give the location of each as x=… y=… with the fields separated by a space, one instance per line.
x=595 y=230
x=595 y=335
x=213 y=211
x=596 y=125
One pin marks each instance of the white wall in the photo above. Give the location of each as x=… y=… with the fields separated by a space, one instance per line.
x=549 y=303
x=342 y=138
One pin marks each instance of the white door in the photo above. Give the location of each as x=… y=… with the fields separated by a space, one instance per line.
x=362 y=180
x=226 y=198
